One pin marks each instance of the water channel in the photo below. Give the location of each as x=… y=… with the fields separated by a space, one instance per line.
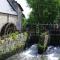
x=52 y=53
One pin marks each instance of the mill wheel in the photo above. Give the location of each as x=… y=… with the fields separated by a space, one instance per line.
x=10 y=28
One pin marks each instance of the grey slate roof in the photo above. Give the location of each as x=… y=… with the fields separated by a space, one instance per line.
x=9 y=6
x=14 y=5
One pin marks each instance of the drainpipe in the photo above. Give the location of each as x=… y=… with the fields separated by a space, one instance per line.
x=19 y=27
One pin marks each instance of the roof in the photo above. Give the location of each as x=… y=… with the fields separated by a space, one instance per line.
x=15 y=5
x=9 y=7
x=20 y=6
x=6 y=8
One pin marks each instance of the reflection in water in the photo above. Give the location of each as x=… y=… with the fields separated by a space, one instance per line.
x=52 y=53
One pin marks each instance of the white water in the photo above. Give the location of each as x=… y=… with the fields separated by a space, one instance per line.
x=52 y=53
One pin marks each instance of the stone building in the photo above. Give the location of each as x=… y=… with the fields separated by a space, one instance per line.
x=10 y=16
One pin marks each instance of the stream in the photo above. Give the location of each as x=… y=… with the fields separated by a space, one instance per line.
x=52 y=53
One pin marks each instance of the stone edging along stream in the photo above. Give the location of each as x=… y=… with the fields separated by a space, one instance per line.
x=10 y=47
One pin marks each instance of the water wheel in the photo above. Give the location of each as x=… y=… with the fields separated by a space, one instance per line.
x=7 y=29
x=10 y=28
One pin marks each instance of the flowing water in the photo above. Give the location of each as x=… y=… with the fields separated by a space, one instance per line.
x=52 y=53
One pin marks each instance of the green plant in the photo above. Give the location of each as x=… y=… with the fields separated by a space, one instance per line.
x=42 y=44
x=13 y=35
x=24 y=23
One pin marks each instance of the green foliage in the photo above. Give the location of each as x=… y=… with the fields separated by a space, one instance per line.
x=24 y=23
x=41 y=44
x=8 y=49
x=44 y=11
x=13 y=35
x=26 y=34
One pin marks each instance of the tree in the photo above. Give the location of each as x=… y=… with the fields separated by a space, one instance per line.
x=24 y=23
x=44 y=11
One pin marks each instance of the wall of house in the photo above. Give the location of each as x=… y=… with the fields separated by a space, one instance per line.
x=7 y=18
x=13 y=19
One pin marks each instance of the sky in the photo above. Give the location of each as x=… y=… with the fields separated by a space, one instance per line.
x=25 y=7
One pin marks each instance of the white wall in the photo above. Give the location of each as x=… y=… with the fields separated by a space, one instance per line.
x=5 y=18
x=13 y=19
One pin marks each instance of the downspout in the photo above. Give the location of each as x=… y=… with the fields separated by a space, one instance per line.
x=19 y=19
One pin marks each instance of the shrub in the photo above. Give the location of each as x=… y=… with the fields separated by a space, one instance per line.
x=13 y=35
x=41 y=46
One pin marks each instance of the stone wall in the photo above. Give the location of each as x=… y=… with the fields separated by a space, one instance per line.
x=9 y=45
x=5 y=18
